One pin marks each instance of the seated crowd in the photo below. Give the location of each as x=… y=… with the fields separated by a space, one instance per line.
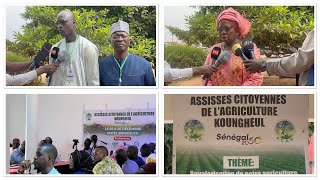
x=90 y=160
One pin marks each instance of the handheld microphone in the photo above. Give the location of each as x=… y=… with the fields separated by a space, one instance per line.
x=26 y=164
x=237 y=50
x=248 y=48
x=55 y=52
x=103 y=142
x=63 y=56
x=214 y=56
x=41 y=56
x=58 y=57
x=222 y=59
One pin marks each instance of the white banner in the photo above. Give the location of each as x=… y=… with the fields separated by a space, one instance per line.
x=120 y=127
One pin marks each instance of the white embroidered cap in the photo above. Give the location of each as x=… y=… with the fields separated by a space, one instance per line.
x=119 y=26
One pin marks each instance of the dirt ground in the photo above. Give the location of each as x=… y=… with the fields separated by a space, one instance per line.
x=267 y=81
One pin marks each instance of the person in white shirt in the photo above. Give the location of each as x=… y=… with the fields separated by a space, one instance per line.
x=25 y=78
x=301 y=62
x=81 y=68
x=172 y=74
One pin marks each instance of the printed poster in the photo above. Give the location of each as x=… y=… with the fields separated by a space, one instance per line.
x=120 y=127
x=240 y=134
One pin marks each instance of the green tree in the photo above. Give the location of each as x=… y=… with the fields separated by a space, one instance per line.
x=168 y=149
x=184 y=56
x=272 y=26
x=93 y=22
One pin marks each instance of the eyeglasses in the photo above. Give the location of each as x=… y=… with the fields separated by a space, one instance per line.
x=116 y=37
x=226 y=29
x=63 y=21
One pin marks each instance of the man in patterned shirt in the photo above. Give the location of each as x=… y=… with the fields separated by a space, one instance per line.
x=104 y=165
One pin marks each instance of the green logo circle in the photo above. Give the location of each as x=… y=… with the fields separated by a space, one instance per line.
x=285 y=130
x=88 y=116
x=136 y=143
x=193 y=130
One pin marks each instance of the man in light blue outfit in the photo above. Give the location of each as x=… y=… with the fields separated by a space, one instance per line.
x=122 y=68
x=44 y=160
x=46 y=156
x=128 y=166
x=17 y=155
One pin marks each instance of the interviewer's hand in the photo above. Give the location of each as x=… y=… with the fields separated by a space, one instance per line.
x=253 y=66
x=49 y=69
x=24 y=165
x=206 y=70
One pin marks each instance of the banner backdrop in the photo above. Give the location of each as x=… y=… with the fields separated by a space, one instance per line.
x=240 y=134
x=120 y=127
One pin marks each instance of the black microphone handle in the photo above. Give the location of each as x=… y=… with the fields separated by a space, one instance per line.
x=208 y=77
x=252 y=55
x=33 y=64
x=207 y=80
x=49 y=81
x=41 y=55
x=244 y=57
x=47 y=76
x=53 y=62
x=103 y=142
x=212 y=64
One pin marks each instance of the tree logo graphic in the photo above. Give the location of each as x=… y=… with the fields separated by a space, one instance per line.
x=285 y=131
x=193 y=130
x=88 y=116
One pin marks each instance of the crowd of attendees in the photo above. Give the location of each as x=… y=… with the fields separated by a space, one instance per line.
x=92 y=159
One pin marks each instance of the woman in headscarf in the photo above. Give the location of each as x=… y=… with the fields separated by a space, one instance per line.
x=232 y=27
x=80 y=162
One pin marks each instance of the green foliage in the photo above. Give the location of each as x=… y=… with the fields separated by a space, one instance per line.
x=201 y=29
x=168 y=141
x=272 y=26
x=15 y=58
x=183 y=56
x=93 y=23
x=311 y=128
